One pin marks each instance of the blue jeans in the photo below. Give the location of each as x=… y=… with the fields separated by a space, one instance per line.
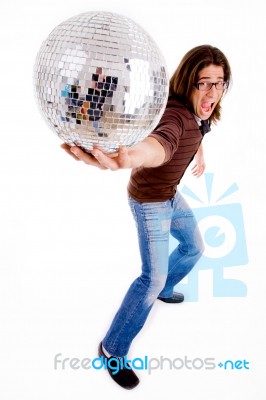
x=160 y=272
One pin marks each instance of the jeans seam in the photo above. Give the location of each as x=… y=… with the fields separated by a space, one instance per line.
x=114 y=342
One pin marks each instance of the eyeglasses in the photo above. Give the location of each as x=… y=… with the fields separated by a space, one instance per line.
x=204 y=86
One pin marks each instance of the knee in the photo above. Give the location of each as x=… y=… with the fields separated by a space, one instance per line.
x=197 y=249
x=155 y=284
x=158 y=283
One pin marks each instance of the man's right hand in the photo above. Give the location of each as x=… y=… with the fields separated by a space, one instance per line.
x=149 y=153
x=97 y=158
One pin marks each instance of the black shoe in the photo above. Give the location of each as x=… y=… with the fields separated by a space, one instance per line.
x=125 y=377
x=176 y=298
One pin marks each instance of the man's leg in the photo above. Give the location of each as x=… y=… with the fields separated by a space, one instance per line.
x=153 y=223
x=184 y=228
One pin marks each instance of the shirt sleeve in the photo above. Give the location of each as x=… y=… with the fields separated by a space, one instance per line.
x=168 y=132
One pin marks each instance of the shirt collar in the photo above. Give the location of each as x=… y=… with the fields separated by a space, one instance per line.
x=197 y=119
x=203 y=125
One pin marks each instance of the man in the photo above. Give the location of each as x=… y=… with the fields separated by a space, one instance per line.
x=158 y=164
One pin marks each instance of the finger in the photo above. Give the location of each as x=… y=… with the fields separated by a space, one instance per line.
x=67 y=150
x=123 y=157
x=85 y=157
x=113 y=155
x=105 y=161
x=200 y=173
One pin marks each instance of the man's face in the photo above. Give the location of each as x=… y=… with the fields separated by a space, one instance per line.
x=205 y=101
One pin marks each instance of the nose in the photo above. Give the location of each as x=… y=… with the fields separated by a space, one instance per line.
x=213 y=89
x=213 y=92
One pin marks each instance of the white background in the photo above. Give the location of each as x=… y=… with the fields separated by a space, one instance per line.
x=68 y=242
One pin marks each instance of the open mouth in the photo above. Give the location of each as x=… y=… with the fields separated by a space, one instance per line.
x=207 y=106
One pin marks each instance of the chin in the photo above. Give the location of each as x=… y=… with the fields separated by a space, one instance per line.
x=204 y=116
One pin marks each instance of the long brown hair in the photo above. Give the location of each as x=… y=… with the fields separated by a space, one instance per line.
x=186 y=74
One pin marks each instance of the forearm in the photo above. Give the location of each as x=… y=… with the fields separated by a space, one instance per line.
x=200 y=151
x=199 y=167
x=149 y=154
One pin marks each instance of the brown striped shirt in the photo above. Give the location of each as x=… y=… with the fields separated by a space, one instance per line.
x=179 y=134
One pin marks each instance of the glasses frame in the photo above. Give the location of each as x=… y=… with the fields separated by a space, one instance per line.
x=211 y=84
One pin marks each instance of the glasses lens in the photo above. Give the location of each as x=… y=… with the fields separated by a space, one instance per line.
x=221 y=85
x=203 y=86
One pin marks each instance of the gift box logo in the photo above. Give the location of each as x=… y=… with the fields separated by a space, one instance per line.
x=223 y=232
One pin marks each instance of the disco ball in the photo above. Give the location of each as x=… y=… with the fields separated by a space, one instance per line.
x=100 y=79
